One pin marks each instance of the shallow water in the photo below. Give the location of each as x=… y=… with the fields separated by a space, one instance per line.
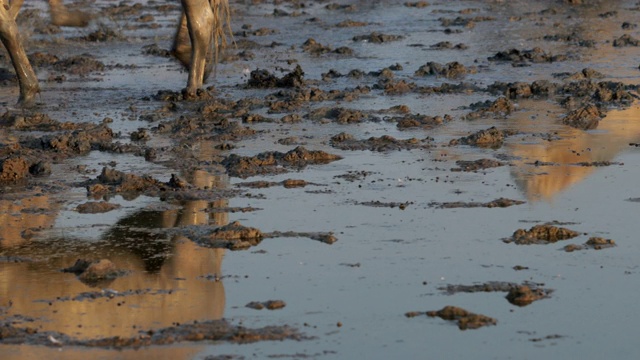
x=387 y=261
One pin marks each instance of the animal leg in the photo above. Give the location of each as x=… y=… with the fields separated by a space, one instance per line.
x=200 y=21
x=10 y=38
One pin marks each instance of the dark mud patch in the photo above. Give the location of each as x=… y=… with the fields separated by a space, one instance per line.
x=383 y=143
x=361 y=175
x=213 y=330
x=287 y=184
x=626 y=40
x=475 y=165
x=96 y=207
x=263 y=79
x=382 y=204
x=517 y=294
x=499 y=107
x=452 y=70
x=107 y=294
x=412 y=121
x=585 y=118
x=497 y=203
x=541 y=234
x=324 y=237
x=594 y=243
x=274 y=162
x=523 y=57
x=598 y=163
x=465 y=319
x=269 y=305
x=377 y=38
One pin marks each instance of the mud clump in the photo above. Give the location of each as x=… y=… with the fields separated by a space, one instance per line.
x=377 y=38
x=262 y=79
x=489 y=138
x=520 y=57
x=96 y=207
x=452 y=70
x=498 y=203
x=480 y=164
x=464 y=319
x=114 y=181
x=419 y=121
x=595 y=243
x=585 y=118
x=13 y=169
x=233 y=236
x=95 y=273
x=272 y=162
x=338 y=114
x=541 y=234
x=80 y=65
x=269 y=305
x=524 y=295
x=501 y=106
x=626 y=40
x=384 y=143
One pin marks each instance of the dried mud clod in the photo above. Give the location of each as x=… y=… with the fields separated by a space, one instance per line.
x=263 y=79
x=452 y=70
x=377 y=38
x=419 y=121
x=499 y=107
x=96 y=207
x=233 y=236
x=517 y=294
x=535 y=55
x=95 y=273
x=626 y=40
x=541 y=234
x=464 y=319
x=523 y=295
x=272 y=162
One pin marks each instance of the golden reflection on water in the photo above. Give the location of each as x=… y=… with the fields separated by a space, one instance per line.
x=613 y=135
x=177 y=277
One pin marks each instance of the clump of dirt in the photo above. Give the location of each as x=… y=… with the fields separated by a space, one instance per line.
x=337 y=114
x=585 y=118
x=287 y=184
x=497 y=203
x=269 y=305
x=521 y=57
x=37 y=122
x=469 y=23
x=416 y=120
x=315 y=48
x=626 y=40
x=272 y=162
x=115 y=181
x=78 y=142
x=377 y=38
x=523 y=295
x=585 y=74
x=538 y=88
x=80 y=65
x=384 y=143
x=392 y=205
x=327 y=238
x=595 y=243
x=13 y=169
x=541 y=234
x=476 y=165
x=501 y=106
x=488 y=138
x=96 y=207
x=263 y=79
x=464 y=319
x=416 y=4
x=233 y=236
x=95 y=273
x=445 y=45
x=452 y=70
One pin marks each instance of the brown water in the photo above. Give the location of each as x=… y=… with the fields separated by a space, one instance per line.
x=387 y=261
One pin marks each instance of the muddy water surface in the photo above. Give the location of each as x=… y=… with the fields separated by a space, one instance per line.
x=384 y=144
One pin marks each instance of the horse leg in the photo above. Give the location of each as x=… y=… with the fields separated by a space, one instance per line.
x=200 y=22
x=10 y=38
x=61 y=16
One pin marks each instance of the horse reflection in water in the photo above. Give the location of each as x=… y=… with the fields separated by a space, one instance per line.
x=178 y=279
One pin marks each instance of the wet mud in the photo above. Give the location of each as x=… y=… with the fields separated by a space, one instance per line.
x=121 y=194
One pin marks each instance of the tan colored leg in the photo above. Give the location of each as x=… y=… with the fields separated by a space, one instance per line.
x=200 y=21
x=11 y=40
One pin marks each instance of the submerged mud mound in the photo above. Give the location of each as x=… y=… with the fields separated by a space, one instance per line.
x=489 y=138
x=465 y=319
x=452 y=70
x=535 y=55
x=541 y=234
x=497 y=203
x=95 y=273
x=517 y=294
x=475 y=165
x=233 y=236
x=263 y=79
x=594 y=243
x=273 y=162
x=585 y=118
x=499 y=107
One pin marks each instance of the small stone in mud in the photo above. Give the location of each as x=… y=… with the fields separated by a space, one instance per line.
x=95 y=207
x=585 y=118
x=465 y=319
x=541 y=234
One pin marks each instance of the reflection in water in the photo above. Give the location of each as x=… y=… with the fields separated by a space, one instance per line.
x=615 y=132
x=174 y=273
